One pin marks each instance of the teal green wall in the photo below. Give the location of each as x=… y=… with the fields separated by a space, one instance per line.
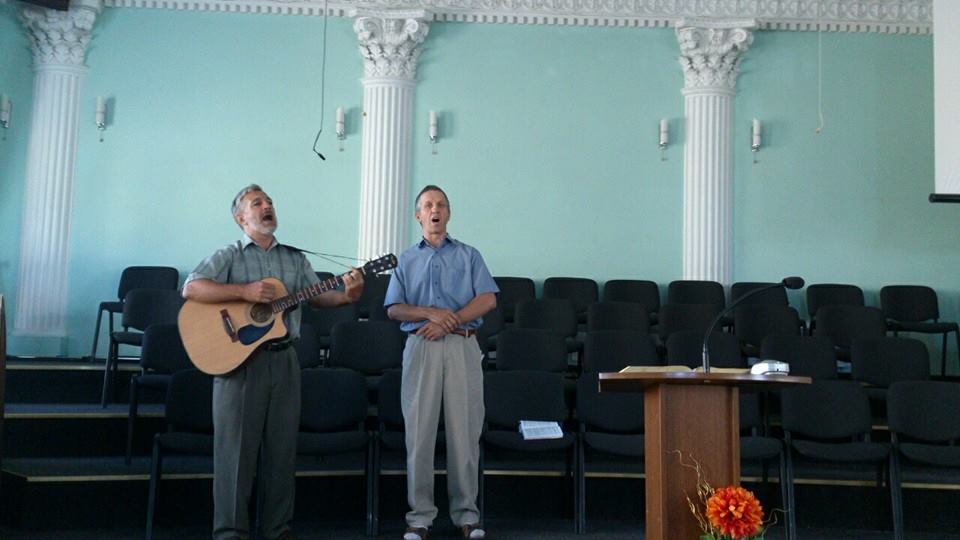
x=547 y=150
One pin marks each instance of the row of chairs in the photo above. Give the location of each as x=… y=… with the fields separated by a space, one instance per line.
x=604 y=431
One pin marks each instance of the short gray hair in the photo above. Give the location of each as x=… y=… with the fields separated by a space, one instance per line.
x=235 y=207
x=430 y=187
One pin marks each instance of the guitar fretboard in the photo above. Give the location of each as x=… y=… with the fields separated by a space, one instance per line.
x=284 y=303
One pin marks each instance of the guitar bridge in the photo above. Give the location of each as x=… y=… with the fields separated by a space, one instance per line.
x=228 y=325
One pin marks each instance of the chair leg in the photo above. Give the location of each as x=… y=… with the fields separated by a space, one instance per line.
x=896 y=496
x=784 y=493
x=581 y=509
x=132 y=415
x=96 y=336
x=480 y=484
x=368 y=470
x=155 y=468
x=791 y=496
x=108 y=367
x=943 y=355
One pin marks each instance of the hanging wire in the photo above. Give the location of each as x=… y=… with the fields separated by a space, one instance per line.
x=820 y=66
x=323 y=80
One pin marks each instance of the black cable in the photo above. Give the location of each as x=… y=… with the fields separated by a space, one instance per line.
x=323 y=80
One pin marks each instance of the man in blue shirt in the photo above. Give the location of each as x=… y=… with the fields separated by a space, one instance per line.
x=440 y=291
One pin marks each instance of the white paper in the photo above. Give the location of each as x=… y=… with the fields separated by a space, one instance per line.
x=534 y=429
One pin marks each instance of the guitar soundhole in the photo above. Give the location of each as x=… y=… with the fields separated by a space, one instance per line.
x=261 y=313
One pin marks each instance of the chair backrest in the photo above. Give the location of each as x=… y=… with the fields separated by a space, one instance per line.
x=832 y=294
x=640 y=291
x=618 y=316
x=143 y=307
x=691 y=291
x=808 y=356
x=776 y=296
x=147 y=277
x=547 y=314
x=681 y=317
x=332 y=400
x=885 y=360
x=924 y=410
x=909 y=303
x=826 y=409
x=512 y=291
x=190 y=402
x=370 y=303
x=324 y=319
x=753 y=322
x=511 y=396
x=751 y=418
x=388 y=399
x=162 y=350
x=531 y=349
x=613 y=412
x=369 y=347
x=308 y=346
x=580 y=291
x=843 y=324
x=686 y=348
x=613 y=350
x=492 y=323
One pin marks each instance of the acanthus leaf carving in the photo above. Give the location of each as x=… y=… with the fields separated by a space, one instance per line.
x=390 y=42
x=710 y=52
x=59 y=37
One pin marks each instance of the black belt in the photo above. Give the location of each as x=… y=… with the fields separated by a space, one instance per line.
x=277 y=346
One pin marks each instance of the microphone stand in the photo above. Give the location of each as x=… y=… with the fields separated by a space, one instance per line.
x=790 y=283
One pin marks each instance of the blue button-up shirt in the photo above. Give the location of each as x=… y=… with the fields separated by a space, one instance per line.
x=447 y=277
x=245 y=262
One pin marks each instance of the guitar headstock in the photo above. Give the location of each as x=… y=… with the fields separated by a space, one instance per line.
x=382 y=264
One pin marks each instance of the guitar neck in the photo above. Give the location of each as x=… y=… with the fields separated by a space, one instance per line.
x=293 y=299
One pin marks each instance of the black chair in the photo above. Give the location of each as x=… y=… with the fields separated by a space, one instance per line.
x=369 y=347
x=754 y=322
x=610 y=435
x=690 y=291
x=580 y=291
x=531 y=349
x=613 y=350
x=332 y=419
x=831 y=294
x=843 y=324
x=133 y=277
x=880 y=362
x=685 y=317
x=512 y=396
x=776 y=296
x=808 y=356
x=828 y=421
x=141 y=308
x=618 y=316
x=924 y=431
x=914 y=308
x=513 y=290
x=323 y=320
x=757 y=446
x=640 y=291
x=557 y=316
x=686 y=349
x=161 y=355
x=493 y=323
x=370 y=304
x=308 y=347
x=189 y=415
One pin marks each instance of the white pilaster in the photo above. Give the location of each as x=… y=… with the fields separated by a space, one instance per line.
x=710 y=54
x=59 y=40
x=389 y=44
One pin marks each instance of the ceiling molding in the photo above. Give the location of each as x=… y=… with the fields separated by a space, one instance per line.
x=883 y=16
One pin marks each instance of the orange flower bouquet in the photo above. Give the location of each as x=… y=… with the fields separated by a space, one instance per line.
x=727 y=513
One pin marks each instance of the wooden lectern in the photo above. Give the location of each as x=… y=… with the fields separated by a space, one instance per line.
x=699 y=415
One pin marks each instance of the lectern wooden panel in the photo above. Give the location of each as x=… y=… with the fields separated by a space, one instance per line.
x=698 y=415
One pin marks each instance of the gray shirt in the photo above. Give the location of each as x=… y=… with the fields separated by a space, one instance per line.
x=245 y=262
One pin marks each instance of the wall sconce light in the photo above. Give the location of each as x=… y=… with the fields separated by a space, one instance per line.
x=433 y=130
x=5 y=108
x=340 y=128
x=664 y=138
x=101 y=115
x=755 y=138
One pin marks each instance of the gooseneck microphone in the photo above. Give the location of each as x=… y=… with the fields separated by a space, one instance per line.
x=792 y=282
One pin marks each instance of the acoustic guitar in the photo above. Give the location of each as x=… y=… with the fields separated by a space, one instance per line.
x=219 y=337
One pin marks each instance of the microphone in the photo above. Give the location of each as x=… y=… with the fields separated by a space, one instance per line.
x=792 y=282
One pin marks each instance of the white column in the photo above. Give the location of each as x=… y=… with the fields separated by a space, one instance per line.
x=710 y=54
x=59 y=40
x=389 y=44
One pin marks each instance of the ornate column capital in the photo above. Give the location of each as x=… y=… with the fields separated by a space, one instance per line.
x=710 y=52
x=60 y=37
x=390 y=41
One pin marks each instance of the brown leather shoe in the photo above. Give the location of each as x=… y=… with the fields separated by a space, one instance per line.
x=416 y=533
x=473 y=531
